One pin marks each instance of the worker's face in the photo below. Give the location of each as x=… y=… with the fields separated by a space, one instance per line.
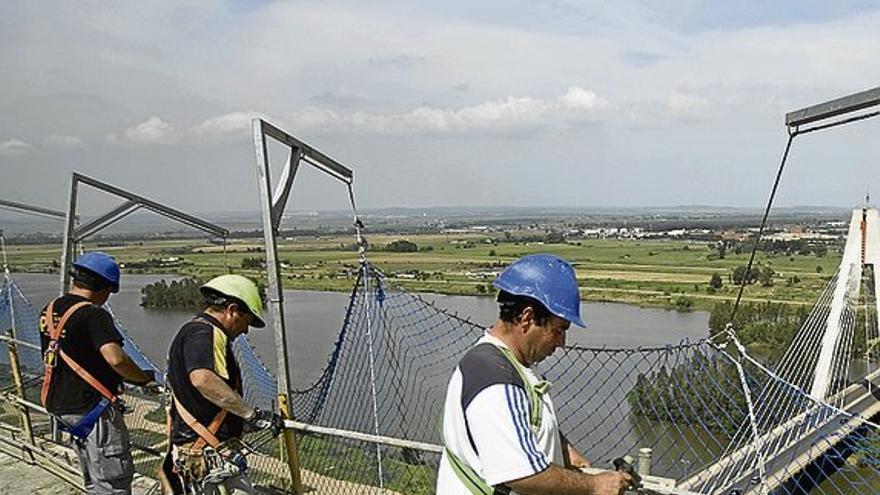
x=542 y=339
x=102 y=295
x=240 y=319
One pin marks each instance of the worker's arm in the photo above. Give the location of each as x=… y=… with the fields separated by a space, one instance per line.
x=123 y=365
x=573 y=458
x=559 y=481
x=219 y=393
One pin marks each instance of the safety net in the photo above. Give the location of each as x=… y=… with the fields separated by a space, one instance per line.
x=716 y=419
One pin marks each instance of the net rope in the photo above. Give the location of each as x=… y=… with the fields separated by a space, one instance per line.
x=686 y=401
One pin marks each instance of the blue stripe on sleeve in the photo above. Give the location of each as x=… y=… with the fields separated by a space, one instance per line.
x=540 y=458
x=516 y=404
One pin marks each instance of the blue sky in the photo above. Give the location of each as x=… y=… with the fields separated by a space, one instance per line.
x=438 y=103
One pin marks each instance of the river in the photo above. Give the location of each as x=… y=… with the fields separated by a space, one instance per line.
x=314 y=319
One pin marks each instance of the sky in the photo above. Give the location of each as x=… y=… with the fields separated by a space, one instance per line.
x=452 y=103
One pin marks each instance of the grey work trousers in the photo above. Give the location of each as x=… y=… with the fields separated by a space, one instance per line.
x=105 y=455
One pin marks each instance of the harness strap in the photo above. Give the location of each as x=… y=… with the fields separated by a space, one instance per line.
x=534 y=392
x=207 y=435
x=54 y=348
x=466 y=474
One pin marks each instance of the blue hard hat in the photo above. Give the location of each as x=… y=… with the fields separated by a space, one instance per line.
x=102 y=265
x=547 y=278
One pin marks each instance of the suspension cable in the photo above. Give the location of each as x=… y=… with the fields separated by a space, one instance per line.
x=792 y=133
x=5 y=261
x=225 y=254
x=748 y=272
x=795 y=130
x=362 y=244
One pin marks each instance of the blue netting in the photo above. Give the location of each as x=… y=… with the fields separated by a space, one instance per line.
x=395 y=351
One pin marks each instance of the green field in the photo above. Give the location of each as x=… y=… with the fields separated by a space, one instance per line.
x=661 y=273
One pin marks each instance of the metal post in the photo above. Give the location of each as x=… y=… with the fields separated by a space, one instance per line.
x=276 y=302
x=272 y=208
x=68 y=244
x=13 y=352
x=19 y=384
x=646 y=456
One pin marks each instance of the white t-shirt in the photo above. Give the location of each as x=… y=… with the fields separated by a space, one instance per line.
x=486 y=422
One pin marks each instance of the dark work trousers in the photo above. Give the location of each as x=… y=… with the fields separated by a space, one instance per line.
x=105 y=455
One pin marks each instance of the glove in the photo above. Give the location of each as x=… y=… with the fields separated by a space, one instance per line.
x=265 y=420
x=237 y=459
x=152 y=387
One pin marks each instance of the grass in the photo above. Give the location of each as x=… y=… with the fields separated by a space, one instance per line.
x=649 y=273
x=337 y=459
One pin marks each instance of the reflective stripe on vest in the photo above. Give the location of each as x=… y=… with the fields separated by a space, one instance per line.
x=534 y=392
x=466 y=474
x=207 y=434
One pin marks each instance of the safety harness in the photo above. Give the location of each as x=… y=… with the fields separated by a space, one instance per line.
x=207 y=434
x=50 y=359
x=534 y=394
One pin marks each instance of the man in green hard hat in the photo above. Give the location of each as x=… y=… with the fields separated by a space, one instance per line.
x=208 y=414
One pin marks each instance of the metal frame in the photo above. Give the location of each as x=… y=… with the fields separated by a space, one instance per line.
x=834 y=108
x=30 y=209
x=74 y=234
x=272 y=207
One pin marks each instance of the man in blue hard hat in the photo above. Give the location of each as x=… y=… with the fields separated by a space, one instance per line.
x=85 y=367
x=499 y=423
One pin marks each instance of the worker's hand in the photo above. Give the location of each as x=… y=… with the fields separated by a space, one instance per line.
x=265 y=420
x=152 y=387
x=611 y=483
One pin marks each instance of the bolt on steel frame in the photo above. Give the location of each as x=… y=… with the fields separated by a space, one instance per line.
x=272 y=206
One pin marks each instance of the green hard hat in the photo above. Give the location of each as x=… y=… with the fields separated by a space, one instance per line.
x=240 y=288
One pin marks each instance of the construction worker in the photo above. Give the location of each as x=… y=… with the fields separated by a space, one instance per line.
x=208 y=414
x=85 y=368
x=499 y=425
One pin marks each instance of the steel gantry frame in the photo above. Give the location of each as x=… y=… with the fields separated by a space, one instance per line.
x=31 y=209
x=74 y=234
x=272 y=206
x=838 y=107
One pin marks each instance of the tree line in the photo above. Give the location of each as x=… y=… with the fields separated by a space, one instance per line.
x=178 y=294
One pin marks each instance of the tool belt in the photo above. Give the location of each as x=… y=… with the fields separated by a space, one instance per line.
x=209 y=465
x=50 y=359
x=205 y=460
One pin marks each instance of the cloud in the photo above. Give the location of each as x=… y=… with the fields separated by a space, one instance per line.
x=401 y=61
x=581 y=99
x=14 y=146
x=226 y=124
x=505 y=115
x=640 y=59
x=153 y=130
x=63 y=142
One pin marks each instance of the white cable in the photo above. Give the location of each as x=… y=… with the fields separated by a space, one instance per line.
x=369 y=304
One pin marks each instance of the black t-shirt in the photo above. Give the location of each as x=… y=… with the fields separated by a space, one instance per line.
x=86 y=331
x=202 y=344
